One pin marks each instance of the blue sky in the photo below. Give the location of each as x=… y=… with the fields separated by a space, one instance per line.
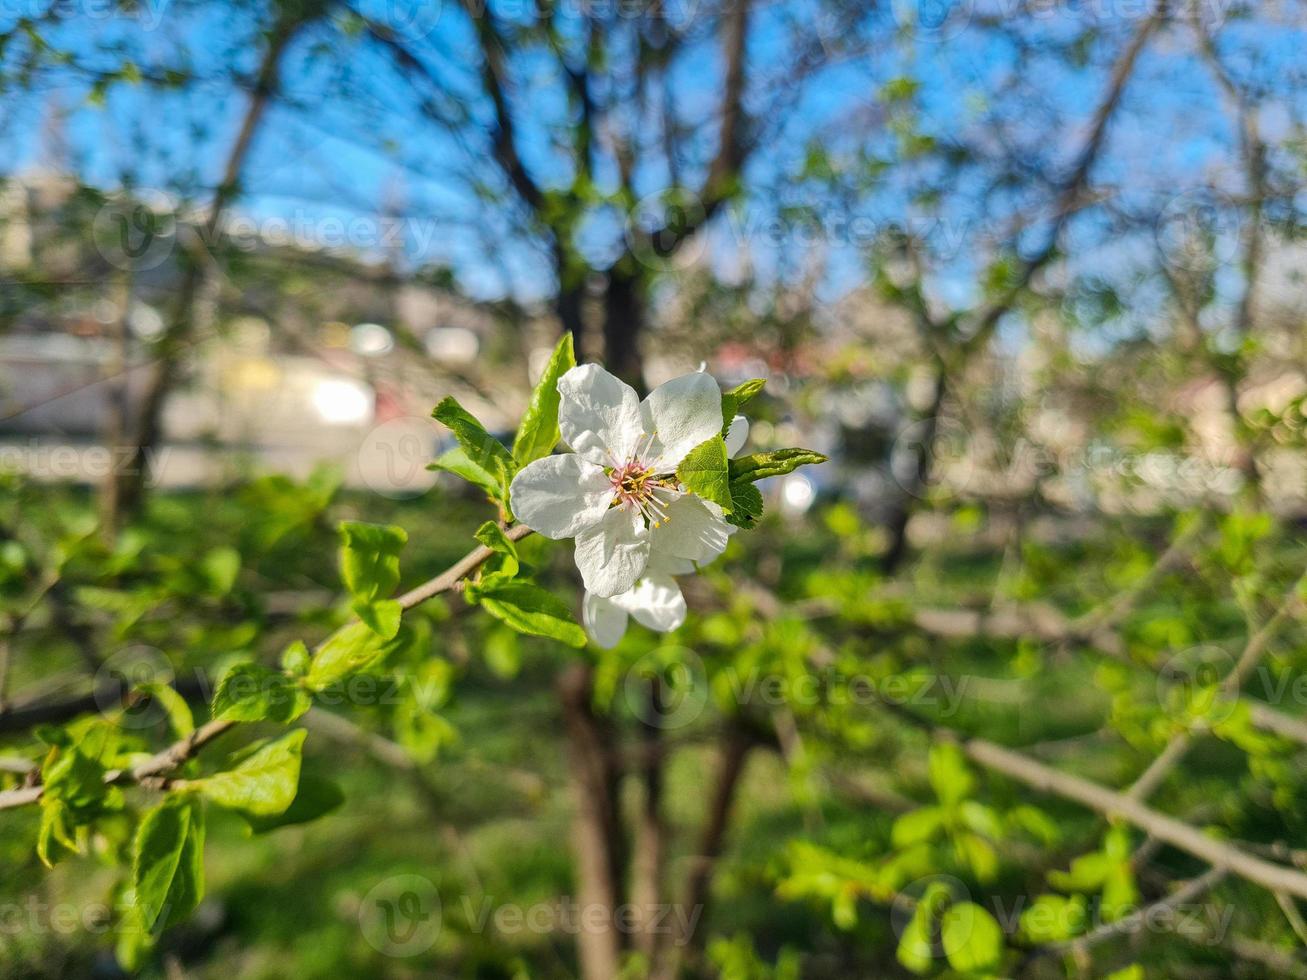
x=323 y=154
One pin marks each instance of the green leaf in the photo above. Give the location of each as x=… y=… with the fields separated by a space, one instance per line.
x=1053 y=918
x=915 y=950
x=348 y=650
x=369 y=559
x=382 y=616
x=917 y=826
x=221 y=565
x=179 y=712
x=316 y=798
x=493 y=537
x=704 y=471
x=252 y=692
x=264 y=783
x=54 y=839
x=458 y=462
x=538 y=434
x=746 y=505
x=483 y=450
x=168 y=863
x=760 y=466
x=972 y=940
x=295 y=659
x=949 y=775
x=736 y=398
x=528 y=609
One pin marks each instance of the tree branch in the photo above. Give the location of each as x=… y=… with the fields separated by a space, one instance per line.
x=180 y=751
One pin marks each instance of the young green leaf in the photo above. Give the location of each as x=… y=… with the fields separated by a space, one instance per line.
x=295 y=659
x=458 y=462
x=348 y=650
x=264 y=783
x=168 y=863
x=736 y=398
x=54 y=839
x=915 y=950
x=538 y=433
x=483 y=450
x=369 y=558
x=316 y=798
x=746 y=505
x=382 y=616
x=493 y=537
x=705 y=471
x=759 y=466
x=528 y=609
x=949 y=775
x=972 y=940
x=221 y=566
x=252 y=692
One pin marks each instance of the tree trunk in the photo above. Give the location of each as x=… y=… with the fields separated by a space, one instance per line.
x=596 y=826
x=925 y=459
x=651 y=832
x=623 y=322
x=687 y=946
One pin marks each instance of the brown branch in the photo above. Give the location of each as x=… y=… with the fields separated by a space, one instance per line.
x=1112 y=804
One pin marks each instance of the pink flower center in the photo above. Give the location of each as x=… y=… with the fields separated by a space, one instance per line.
x=636 y=484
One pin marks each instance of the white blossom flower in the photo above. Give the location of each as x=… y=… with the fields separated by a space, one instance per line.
x=617 y=493
x=655 y=602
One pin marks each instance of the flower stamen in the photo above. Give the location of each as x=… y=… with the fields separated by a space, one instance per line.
x=636 y=483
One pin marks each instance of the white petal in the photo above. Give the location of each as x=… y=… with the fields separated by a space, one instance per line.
x=612 y=554
x=598 y=414
x=736 y=436
x=682 y=413
x=560 y=495
x=656 y=602
x=661 y=563
x=694 y=529
x=604 y=620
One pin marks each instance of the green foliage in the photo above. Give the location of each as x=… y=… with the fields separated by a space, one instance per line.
x=526 y=608
x=168 y=864
x=352 y=648
x=972 y=940
x=506 y=559
x=263 y=783
x=252 y=692
x=760 y=466
x=704 y=472
x=737 y=398
x=315 y=797
x=538 y=434
x=485 y=461
x=369 y=564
